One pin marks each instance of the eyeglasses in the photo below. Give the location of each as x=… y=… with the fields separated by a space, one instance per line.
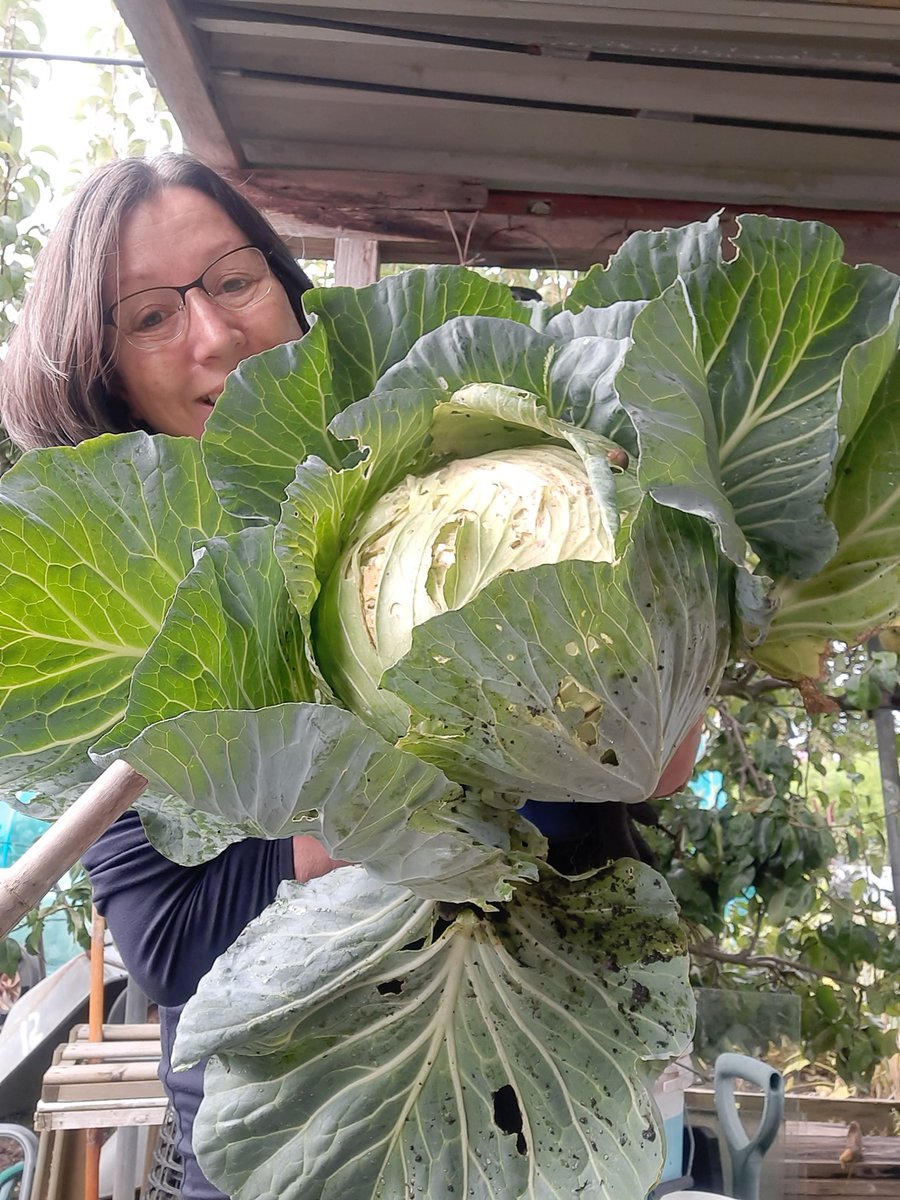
x=156 y=316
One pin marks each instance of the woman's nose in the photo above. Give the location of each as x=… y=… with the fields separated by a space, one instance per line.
x=210 y=327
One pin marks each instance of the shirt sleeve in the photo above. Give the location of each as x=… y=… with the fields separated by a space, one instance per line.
x=170 y=923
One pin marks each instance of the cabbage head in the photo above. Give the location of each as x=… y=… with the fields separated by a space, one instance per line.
x=434 y=542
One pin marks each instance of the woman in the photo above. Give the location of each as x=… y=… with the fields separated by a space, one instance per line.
x=69 y=373
x=157 y=283
x=114 y=338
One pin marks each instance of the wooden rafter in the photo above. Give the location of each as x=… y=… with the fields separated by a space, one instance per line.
x=167 y=44
x=437 y=219
x=542 y=134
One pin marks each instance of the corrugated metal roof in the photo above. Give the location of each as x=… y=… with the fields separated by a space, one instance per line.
x=727 y=102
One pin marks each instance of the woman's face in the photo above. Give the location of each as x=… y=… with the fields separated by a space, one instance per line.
x=170 y=240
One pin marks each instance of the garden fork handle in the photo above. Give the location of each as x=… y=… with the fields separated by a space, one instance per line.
x=30 y=878
x=747 y=1153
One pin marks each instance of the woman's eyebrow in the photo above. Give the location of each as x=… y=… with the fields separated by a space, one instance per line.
x=143 y=280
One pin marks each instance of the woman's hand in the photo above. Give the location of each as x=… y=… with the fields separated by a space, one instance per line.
x=311 y=859
x=680 y=766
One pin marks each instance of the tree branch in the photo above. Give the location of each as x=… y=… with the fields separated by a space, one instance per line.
x=752 y=690
x=748 y=769
x=767 y=962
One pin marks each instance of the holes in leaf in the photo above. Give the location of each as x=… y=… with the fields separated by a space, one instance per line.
x=508 y=1115
x=391 y=987
x=610 y=758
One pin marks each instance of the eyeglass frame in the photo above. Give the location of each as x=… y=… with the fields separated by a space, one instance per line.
x=182 y=292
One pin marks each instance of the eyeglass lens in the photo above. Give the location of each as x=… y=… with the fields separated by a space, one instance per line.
x=157 y=315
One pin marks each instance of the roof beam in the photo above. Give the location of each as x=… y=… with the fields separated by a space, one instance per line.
x=287 y=190
x=168 y=47
x=539 y=229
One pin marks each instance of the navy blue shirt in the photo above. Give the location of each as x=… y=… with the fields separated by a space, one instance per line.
x=170 y=924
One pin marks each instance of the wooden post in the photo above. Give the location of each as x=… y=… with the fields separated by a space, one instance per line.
x=886 y=741
x=94 y=1138
x=95 y=1002
x=355 y=262
x=24 y=883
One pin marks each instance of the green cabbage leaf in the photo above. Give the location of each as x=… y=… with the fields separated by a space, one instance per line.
x=384 y=1051
x=95 y=541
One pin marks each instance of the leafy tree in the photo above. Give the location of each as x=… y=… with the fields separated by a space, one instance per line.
x=123 y=109
x=782 y=875
x=23 y=180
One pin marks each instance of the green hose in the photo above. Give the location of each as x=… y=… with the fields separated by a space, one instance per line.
x=8 y=1177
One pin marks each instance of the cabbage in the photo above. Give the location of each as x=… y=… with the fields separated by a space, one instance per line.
x=432 y=544
x=446 y=555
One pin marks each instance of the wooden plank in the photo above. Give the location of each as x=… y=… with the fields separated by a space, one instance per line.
x=110 y=1051
x=355 y=261
x=535 y=20
x=99 y=1114
x=561 y=205
x=873 y=1116
x=439 y=127
x=841 y=1189
x=283 y=190
x=106 y=1073
x=819 y=1156
x=143 y=1090
x=169 y=47
x=93 y=1093
x=516 y=80
x=119 y=1033
x=585 y=155
x=362 y=220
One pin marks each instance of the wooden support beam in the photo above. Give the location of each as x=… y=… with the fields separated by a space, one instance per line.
x=283 y=190
x=100 y=1114
x=508 y=228
x=168 y=46
x=541 y=242
x=355 y=261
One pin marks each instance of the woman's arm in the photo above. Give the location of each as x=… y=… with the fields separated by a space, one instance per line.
x=170 y=923
x=680 y=766
x=311 y=859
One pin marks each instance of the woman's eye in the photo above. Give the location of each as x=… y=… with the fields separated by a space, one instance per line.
x=235 y=283
x=150 y=319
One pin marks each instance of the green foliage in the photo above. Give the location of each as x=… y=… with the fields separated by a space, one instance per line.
x=394 y=1007
x=123 y=107
x=553 y=284
x=73 y=901
x=878 y=676
x=781 y=882
x=23 y=180
x=695 y=409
